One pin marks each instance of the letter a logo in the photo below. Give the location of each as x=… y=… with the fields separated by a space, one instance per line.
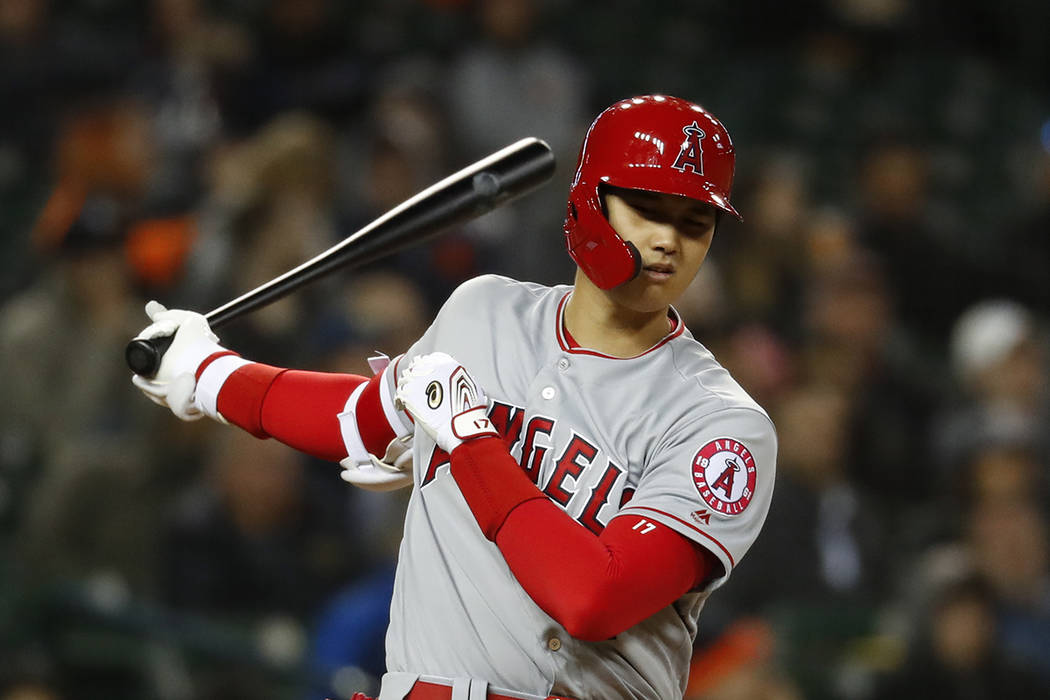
x=725 y=482
x=691 y=154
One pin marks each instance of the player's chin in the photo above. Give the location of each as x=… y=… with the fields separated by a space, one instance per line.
x=645 y=297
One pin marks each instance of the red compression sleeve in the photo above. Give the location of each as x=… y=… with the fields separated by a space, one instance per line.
x=301 y=409
x=491 y=482
x=594 y=586
x=598 y=586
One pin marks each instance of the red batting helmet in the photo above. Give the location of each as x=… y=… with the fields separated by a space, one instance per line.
x=656 y=143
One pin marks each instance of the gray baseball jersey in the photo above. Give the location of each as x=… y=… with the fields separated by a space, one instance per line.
x=665 y=437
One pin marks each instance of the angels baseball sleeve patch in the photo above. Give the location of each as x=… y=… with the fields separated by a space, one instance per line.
x=724 y=473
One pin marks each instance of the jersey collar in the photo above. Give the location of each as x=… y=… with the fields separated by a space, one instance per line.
x=569 y=344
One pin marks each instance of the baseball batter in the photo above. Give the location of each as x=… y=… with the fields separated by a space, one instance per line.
x=584 y=472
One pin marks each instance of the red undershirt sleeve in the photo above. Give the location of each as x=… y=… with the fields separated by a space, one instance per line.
x=301 y=409
x=594 y=586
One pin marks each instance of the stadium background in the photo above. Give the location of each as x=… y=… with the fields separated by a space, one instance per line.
x=886 y=298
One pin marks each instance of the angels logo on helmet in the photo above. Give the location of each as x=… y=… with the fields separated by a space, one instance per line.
x=691 y=154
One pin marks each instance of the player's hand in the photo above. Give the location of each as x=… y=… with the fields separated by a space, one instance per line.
x=174 y=385
x=444 y=400
x=391 y=472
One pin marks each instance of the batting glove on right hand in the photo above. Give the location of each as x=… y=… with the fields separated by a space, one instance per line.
x=444 y=400
x=175 y=383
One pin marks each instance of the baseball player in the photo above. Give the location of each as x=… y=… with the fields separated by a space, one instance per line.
x=584 y=473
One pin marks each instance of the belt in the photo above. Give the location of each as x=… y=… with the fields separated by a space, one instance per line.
x=422 y=690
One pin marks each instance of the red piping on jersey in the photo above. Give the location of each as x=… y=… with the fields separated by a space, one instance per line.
x=569 y=344
x=688 y=525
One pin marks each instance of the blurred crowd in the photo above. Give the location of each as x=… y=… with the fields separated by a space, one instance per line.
x=887 y=298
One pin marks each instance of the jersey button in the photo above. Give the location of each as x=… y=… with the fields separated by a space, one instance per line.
x=563 y=364
x=548 y=392
x=554 y=644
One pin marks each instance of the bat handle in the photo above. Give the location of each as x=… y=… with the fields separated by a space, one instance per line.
x=143 y=355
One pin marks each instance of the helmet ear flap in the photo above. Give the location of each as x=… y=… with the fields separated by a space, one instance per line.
x=606 y=258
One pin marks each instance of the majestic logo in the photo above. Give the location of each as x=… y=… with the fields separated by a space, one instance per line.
x=691 y=154
x=724 y=473
x=701 y=516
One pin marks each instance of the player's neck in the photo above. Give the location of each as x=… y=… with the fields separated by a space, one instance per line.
x=598 y=323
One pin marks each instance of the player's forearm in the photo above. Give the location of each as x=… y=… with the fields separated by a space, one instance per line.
x=301 y=409
x=597 y=586
x=594 y=586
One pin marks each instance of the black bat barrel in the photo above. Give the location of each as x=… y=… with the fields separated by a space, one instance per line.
x=465 y=195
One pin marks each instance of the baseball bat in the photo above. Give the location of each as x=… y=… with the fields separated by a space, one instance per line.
x=460 y=197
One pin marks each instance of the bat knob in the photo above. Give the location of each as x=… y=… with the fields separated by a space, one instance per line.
x=143 y=356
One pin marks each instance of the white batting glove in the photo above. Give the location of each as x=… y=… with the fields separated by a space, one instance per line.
x=392 y=472
x=444 y=400
x=175 y=383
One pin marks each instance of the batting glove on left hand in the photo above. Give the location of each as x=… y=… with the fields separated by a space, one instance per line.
x=175 y=383
x=444 y=400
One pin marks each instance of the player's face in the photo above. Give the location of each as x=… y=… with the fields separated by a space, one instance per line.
x=673 y=235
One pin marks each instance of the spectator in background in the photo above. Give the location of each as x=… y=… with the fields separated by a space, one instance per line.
x=1003 y=471
x=850 y=334
x=508 y=82
x=51 y=66
x=1010 y=545
x=302 y=60
x=994 y=532
x=271 y=206
x=1002 y=536
x=855 y=341
x=254 y=547
x=932 y=279
x=742 y=664
x=256 y=536
x=185 y=50
x=59 y=447
x=956 y=655
x=766 y=252
x=1002 y=385
x=829 y=241
x=86 y=300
